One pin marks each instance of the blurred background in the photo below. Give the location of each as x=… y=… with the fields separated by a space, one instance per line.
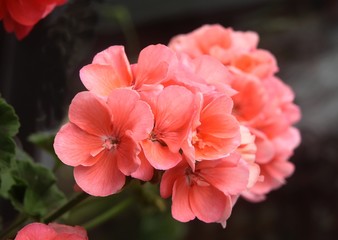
x=39 y=77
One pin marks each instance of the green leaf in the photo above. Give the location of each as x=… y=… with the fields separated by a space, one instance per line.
x=44 y=140
x=31 y=187
x=9 y=122
x=162 y=226
x=7 y=151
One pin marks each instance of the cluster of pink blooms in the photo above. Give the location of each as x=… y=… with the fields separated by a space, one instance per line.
x=207 y=111
x=20 y=16
x=52 y=231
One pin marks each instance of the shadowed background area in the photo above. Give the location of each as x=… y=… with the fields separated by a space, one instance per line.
x=39 y=77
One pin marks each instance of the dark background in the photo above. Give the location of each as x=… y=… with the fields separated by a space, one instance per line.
x=39 y=77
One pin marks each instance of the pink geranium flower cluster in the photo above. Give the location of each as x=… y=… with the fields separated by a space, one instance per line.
x=206 y=112
x=263 y=103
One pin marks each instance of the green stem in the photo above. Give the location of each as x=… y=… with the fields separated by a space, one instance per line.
x=65 y=208
x=14 y=226
x=114 y=211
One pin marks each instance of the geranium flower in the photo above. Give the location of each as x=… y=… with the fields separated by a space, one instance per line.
x=208 y=192
x=173 y=109
x=52 y=231
x=217 y=133
x=101 y=139
x=278 y=168
x=20 y=16
x=258 y=62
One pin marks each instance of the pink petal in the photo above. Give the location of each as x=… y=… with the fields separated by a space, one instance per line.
x=214 y=148
x=230 y=180
x=160 y=157
x=265 y=148
x=153 y=65
x=74 y=146
x=102 y=79
x=173 y=112
x=254 y=174
x=90 y=114
x=36 y=231
x=219 y=125
x=180 y=208
x=169 y=177
x=69 y=236
x=131 y=113
x=208 y=203
x=115 y=57
x=126 y=155
x=61 y=228
x=145 y=171
x=211 y=70
x=102 y=179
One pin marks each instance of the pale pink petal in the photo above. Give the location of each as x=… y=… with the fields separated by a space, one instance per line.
x=208 y=203
x=279 y=170
x=101 y=79
x=265 y=148
x=74 y=146
x=36 y=231
x=248 y=148
x=253 y=197
x=90 y=114
x=180 y=208
x=254 y=174
x=102 y=179
x=159 y=156
x=145 y=171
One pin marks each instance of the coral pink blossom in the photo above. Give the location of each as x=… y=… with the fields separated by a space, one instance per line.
x=278 y=168
x=101 y=139
x=173 y=109
x=217 y=132
x=52 y=231
x=263 y=104
x=208 y=192
x=111 y=69
x=20 y=16
x=215 y=40
x=251 y=97
x=258 y=62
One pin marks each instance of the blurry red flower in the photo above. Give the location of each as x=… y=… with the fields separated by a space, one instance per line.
x=20 y=16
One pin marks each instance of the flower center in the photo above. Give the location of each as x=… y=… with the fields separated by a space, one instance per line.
x=110 y=143
x=153 y=136
x=197 y=142
x=193 y=178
